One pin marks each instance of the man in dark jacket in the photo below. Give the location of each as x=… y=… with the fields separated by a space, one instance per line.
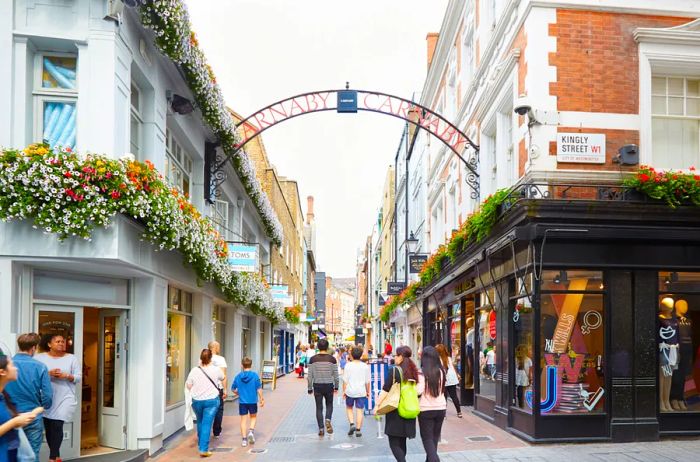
x=323 y=382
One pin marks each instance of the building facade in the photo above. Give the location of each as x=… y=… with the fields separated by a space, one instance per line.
x=122 y=305
x=562 y=319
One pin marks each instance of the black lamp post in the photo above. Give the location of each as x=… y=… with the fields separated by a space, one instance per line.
x=411 y=244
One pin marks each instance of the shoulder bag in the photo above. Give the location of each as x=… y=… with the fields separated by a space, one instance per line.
x=220 y=390
x=390 y=402
x=452 y=378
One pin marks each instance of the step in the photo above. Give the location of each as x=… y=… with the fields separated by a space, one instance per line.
x=139 y=455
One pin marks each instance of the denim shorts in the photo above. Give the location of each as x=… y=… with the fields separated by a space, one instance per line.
x=244 y=409
x=359 y=403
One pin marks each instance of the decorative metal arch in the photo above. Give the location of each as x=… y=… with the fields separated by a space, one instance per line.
x=346 y=101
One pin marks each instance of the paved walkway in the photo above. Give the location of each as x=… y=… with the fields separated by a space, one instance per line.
x=287 y=432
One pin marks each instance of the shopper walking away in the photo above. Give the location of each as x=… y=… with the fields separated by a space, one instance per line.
x=301 y=361
x=32 y=389
x=220 y=362
x=10 y=420
x=398 y=429
x=323 y=382
x=433 y=405
x=452 y=379
x=387 y=348
x=206 y=397
x=356 y=389
x=65 y=373
x=248 y=387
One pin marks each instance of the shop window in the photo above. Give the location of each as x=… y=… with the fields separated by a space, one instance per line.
x=218 y=325
x=55 y=97
x=454 y=326
x=678 y=337
x=468 y=362
x=572 y=343
x=487 y=333
x=263 y=345
x=523 y=337
x=177 y=360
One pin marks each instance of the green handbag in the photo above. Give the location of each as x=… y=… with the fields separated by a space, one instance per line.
x=409 y=406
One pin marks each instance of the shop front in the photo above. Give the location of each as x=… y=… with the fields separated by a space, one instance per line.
x=579 y=321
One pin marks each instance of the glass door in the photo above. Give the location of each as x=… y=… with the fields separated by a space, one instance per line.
x=112 y=378
x=66 y=321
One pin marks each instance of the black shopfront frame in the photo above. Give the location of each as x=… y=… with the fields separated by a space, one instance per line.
x=631 y=245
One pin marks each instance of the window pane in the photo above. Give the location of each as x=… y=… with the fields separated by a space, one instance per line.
x=658 y=85
x=572 y=280
x=675 y=87
x=174 y=298
x=693 y=87
x=675 y=142
x=487 y=352
x=672 y=281
x=177 y=362
x=675 y=106
x=692 y=106
x=134 y=136
x=57 y=323
x=135 y=98
x=59 y=124
x=658 y=104
x=58 y=72
x=573 y=349
x=109 y=346
x=523 y=331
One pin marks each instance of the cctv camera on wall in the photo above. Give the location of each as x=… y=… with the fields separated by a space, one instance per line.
x=522 y=105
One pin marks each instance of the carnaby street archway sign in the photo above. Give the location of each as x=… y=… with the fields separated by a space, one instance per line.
x=347 y=101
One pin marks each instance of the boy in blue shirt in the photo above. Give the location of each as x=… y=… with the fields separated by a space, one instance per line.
x=248 y=387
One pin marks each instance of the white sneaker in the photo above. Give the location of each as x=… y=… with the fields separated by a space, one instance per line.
x=244 y=443
x=251 y=437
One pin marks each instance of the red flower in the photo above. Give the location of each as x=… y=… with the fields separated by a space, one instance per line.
x=115 y=194
x=692 y=168
x=68 y=175
x=69 y=150
x=644 y=177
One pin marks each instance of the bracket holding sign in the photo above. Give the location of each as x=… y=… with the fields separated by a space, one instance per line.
x=269 y=373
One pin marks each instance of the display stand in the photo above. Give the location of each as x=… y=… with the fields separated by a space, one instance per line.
x=269 y=373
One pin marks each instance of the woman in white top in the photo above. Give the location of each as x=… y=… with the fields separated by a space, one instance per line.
x=452 y=378
x=201 y=382
x=65 y=373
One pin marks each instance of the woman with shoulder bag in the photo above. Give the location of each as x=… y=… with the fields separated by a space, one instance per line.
x=433 y=405
x=452 y=377
x=201 y=382
x=397 y=428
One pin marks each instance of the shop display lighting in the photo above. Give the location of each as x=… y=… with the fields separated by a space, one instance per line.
x=673 y=277
x=561 y=278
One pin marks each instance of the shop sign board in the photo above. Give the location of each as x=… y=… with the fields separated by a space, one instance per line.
x=243 y=258
x=582 y=148
x=280 y=294
x=395 y=288
x=269 y=372
x=492 y=325
x=416 y=263
x=347 y=101
x=464 y=286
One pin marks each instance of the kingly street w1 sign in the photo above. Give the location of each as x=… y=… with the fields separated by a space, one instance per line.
x=582 y=148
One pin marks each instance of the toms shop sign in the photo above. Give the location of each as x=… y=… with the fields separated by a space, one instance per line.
x=582 y=148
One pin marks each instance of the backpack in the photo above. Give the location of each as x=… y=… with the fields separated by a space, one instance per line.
x=409 y=406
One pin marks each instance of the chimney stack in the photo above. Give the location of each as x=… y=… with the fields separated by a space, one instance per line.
x=310 y=210
x=432 y=39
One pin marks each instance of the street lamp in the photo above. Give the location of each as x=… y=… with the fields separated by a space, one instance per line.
x=411 y=245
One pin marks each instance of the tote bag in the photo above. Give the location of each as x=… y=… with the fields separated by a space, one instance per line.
x=452 y=378
x=409 y=405
x=391 y=400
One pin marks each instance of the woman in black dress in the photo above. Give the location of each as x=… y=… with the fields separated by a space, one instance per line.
x=397 y=428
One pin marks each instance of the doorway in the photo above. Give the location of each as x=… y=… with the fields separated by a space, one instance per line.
x=98 y=338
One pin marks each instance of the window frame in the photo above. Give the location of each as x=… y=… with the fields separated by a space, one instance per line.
x=135 y=114
x=171 y=157
x=42 y=95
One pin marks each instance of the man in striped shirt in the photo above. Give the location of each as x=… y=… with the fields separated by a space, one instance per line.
x=323 y=382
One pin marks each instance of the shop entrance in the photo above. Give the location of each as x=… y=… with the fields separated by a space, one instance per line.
x=98 y=338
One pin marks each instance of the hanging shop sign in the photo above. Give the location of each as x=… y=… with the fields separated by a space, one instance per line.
x=492 y=325
x=243 y=258
x=582 y=148
x=280 y=294
x=416 y=263
x=395 y=288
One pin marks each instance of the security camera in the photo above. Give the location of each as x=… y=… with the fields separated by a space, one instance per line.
x=523 y=106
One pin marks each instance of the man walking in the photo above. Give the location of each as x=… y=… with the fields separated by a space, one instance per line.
x=323 y=382
x=220 y=362
x=32 y=387
x=356 y=390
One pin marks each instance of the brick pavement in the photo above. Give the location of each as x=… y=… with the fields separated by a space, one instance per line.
x=287 y=431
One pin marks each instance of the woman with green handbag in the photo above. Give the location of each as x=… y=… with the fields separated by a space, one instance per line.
x=401 y=423
x=433 y=405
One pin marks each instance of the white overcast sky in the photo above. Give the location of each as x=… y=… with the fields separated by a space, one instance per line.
x=266 y=50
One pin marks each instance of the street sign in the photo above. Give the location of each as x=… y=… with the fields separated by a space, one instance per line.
x=416 y=263
x=395 y=288
x=347 y=101
x=582 y=148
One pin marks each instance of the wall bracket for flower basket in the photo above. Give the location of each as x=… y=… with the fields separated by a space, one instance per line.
x=345 y=101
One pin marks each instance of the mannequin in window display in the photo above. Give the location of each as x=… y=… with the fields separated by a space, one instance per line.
x=469 y=376
x=685 y=357
x=667 y=338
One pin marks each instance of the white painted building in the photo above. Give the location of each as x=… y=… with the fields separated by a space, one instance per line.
x=163 y=315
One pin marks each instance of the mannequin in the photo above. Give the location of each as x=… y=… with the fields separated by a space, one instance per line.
x=667 y=338
x=470 y=353
x=685 y=357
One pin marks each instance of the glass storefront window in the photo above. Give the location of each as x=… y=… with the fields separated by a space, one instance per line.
x=678 y=338
x=523 y=353
x=177 y=360
x=455 y=332
x=469 y=344
x=572 y=343
x=487 y=330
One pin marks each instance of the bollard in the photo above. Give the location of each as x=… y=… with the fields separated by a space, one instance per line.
x=379 y=420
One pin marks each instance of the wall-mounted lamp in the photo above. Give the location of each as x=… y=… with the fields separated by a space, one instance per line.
x=561 y=278
x=179 y=104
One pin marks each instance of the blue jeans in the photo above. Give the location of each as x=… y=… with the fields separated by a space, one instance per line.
x=35 y=435
x=205 y=411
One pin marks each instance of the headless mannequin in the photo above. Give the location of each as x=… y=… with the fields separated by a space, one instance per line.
x=685 y=357
x=667 y=338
